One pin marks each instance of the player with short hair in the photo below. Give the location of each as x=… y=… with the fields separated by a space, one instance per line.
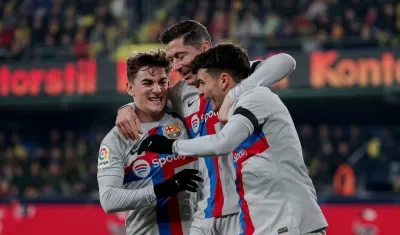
x=276 y=194
x=218 y=205
x=159 y=190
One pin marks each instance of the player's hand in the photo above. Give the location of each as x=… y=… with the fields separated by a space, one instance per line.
x=186 y=179
x=156 y=144
x=224 y=110
x=128 y=124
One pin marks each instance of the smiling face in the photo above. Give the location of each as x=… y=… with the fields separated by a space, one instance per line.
x=214 y=86
x=150 y=90
x=180 y=55
x=183 y=41
x=148 y=83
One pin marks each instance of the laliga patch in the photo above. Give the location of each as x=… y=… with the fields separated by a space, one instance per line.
x=173 y=131
x=104 y=157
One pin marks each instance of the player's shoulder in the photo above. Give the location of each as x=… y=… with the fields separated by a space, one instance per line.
x=257 y=93
x=257 y=100
x=111 y=135
x=173 y=117
x=261 y=90
x=114 y=140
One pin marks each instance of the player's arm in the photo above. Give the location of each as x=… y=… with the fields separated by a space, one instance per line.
x=223 y=143
x=265 y=73
x=110 y=177
x=250 y=113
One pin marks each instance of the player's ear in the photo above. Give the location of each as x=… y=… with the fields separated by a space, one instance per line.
x=205 y=46
x=224 y=80
x=129 y=89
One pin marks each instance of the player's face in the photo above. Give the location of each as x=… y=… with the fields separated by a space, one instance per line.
x=212 y=88
x=180 y=56
x=150 y=90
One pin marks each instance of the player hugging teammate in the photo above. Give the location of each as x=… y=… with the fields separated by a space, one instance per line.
x=276 y=194
x=159 y=190
x=217 y=204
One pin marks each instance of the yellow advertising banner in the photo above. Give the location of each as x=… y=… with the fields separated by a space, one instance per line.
x=123 y=51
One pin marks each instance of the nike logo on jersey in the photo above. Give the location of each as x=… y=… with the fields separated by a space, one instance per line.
x=135 y=150
x=191 y=103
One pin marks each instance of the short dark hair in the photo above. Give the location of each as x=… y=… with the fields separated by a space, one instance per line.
x=152 y=58
x=193 y=33
x=224 y=57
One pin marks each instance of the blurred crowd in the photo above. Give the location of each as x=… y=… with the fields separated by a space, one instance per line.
x=35 y=29
x=369 y=155
x=64 y=163
x=44 y=29
x=276 y=20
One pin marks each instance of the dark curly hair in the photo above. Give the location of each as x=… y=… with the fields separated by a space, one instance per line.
x=152 y=58
x=224 y=57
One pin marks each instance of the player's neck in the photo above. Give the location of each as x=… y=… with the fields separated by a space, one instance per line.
x=148 y=118
x=230 y=86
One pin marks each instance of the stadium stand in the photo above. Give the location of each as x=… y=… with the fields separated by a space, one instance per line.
x=44 y=29
x=351 y=143
x=33 y=29
x=290 y=23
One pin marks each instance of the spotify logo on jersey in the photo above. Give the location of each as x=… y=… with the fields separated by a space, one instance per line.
x=195 y=123
x=141 y=168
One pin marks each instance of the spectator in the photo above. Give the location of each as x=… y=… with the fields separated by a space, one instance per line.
x=248 y=27
x=342 y=22
x=37 y=28
x=271 y=25
x=89 y=27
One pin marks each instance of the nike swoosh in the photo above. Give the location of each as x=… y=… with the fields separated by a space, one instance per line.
x=134 y=150
x=191 y=103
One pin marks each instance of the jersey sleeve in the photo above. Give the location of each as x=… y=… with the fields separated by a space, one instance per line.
x=250 y=112
x=110 y=177
x=253 y=108
x=265 y=73
x=223 y=143
x=132 y=105
x=110 y=158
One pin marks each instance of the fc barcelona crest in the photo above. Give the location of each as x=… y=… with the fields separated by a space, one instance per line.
x=173 y=131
